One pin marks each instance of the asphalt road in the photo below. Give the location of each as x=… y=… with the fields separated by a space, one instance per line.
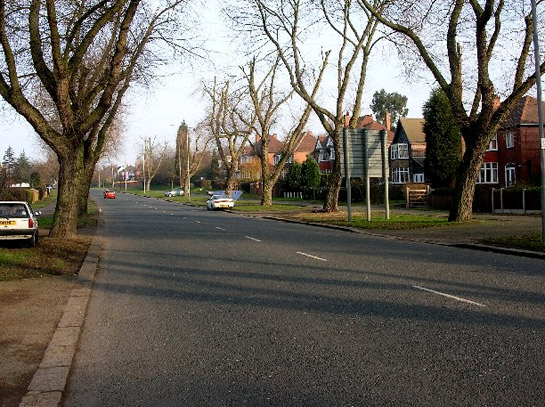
x=198 y=308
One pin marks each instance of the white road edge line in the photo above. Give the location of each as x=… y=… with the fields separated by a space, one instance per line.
x=448 y=295
x=217 y=227
x=311 y=256
x=252 y=238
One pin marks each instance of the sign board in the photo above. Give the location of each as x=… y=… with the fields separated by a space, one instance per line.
x=364 y=151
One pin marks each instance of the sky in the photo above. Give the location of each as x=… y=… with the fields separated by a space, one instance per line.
x=175 y=97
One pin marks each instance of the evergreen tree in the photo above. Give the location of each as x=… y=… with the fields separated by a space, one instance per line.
x=310 y=172
x=393 y=103
x=294 y=177
x=22 y=168
x=443 y=141
x=8 y=164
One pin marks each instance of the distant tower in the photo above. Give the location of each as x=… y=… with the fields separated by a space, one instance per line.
x=181 y=152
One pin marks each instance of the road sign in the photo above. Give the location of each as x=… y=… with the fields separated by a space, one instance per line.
x=364 y=152
x=364 y=155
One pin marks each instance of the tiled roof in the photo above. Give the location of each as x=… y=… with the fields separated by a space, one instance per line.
x=307 y=143
x=275 y=145
x=414 y=129
x=524 y=113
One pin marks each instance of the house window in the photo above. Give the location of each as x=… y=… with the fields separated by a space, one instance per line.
x=509 y=140
x=418 y=178
x=331 y=155
x=400 y=175
x=488 y=174
x=393 y=152
x=324 y=156
x=510 y=175
x=493 y=145
x=403 y=151
x=399 y=151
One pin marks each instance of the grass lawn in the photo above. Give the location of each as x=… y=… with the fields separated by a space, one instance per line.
x=526 y=242
x=378 y=220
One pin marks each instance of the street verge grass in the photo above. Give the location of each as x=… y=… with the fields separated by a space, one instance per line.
x=50 y=257
x=526 y=242
x=378 y=220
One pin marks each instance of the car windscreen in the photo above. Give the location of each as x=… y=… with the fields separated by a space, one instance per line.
x=13 y=210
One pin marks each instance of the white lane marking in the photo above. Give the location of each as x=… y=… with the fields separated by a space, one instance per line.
x=217 y=227
x=198 y=222
x=448 y=295
x=252 y=238
x=311 y=256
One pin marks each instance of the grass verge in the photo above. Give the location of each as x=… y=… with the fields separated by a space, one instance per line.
x=50 y=257
x=526 y=242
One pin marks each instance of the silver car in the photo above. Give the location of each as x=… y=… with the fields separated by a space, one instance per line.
x=18 y=222
x=175 y=192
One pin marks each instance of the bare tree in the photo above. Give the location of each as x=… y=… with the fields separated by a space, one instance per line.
x=286 y=24
x=266 y=103
x=230 y=131
x=493 y=32
x=154 y=155
x=81 y=58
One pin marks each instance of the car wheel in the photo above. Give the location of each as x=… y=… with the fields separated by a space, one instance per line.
x=33 y=240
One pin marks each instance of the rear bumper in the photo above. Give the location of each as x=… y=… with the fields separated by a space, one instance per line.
x=16 y=234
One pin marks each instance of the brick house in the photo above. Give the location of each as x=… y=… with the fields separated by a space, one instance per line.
x=408 y=152
x=250 y=167
x=512 y=156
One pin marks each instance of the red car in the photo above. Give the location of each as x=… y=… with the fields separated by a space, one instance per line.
x=109 y=194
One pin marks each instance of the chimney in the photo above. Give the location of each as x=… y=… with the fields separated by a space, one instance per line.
x=274 y=136
x=257 y=138
x=387 y=123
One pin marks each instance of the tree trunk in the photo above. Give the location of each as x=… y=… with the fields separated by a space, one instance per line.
x=464 y=191
x=84 y=188
x=335 y=180
x=230 y=181
x=187 y=185
x=65 y=218
x=266 y=198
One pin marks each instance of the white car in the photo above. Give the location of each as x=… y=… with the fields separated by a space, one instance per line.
x=175 y=192
x=219 y=202
x=18 y=222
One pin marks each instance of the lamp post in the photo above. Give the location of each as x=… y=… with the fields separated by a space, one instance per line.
x=540 y=118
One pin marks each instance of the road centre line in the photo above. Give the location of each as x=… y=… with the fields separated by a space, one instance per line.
x=217 y=227
x=453 y=297
x=311 y=256
x=252 y=238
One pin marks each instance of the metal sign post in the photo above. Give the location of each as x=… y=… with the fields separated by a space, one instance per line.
x=346 y=154
x=384 y=156
x=540 y=116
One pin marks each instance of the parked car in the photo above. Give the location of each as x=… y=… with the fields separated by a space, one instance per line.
x=18 y=222
x=175 y=192
x=219 y=202
x=109 y=194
